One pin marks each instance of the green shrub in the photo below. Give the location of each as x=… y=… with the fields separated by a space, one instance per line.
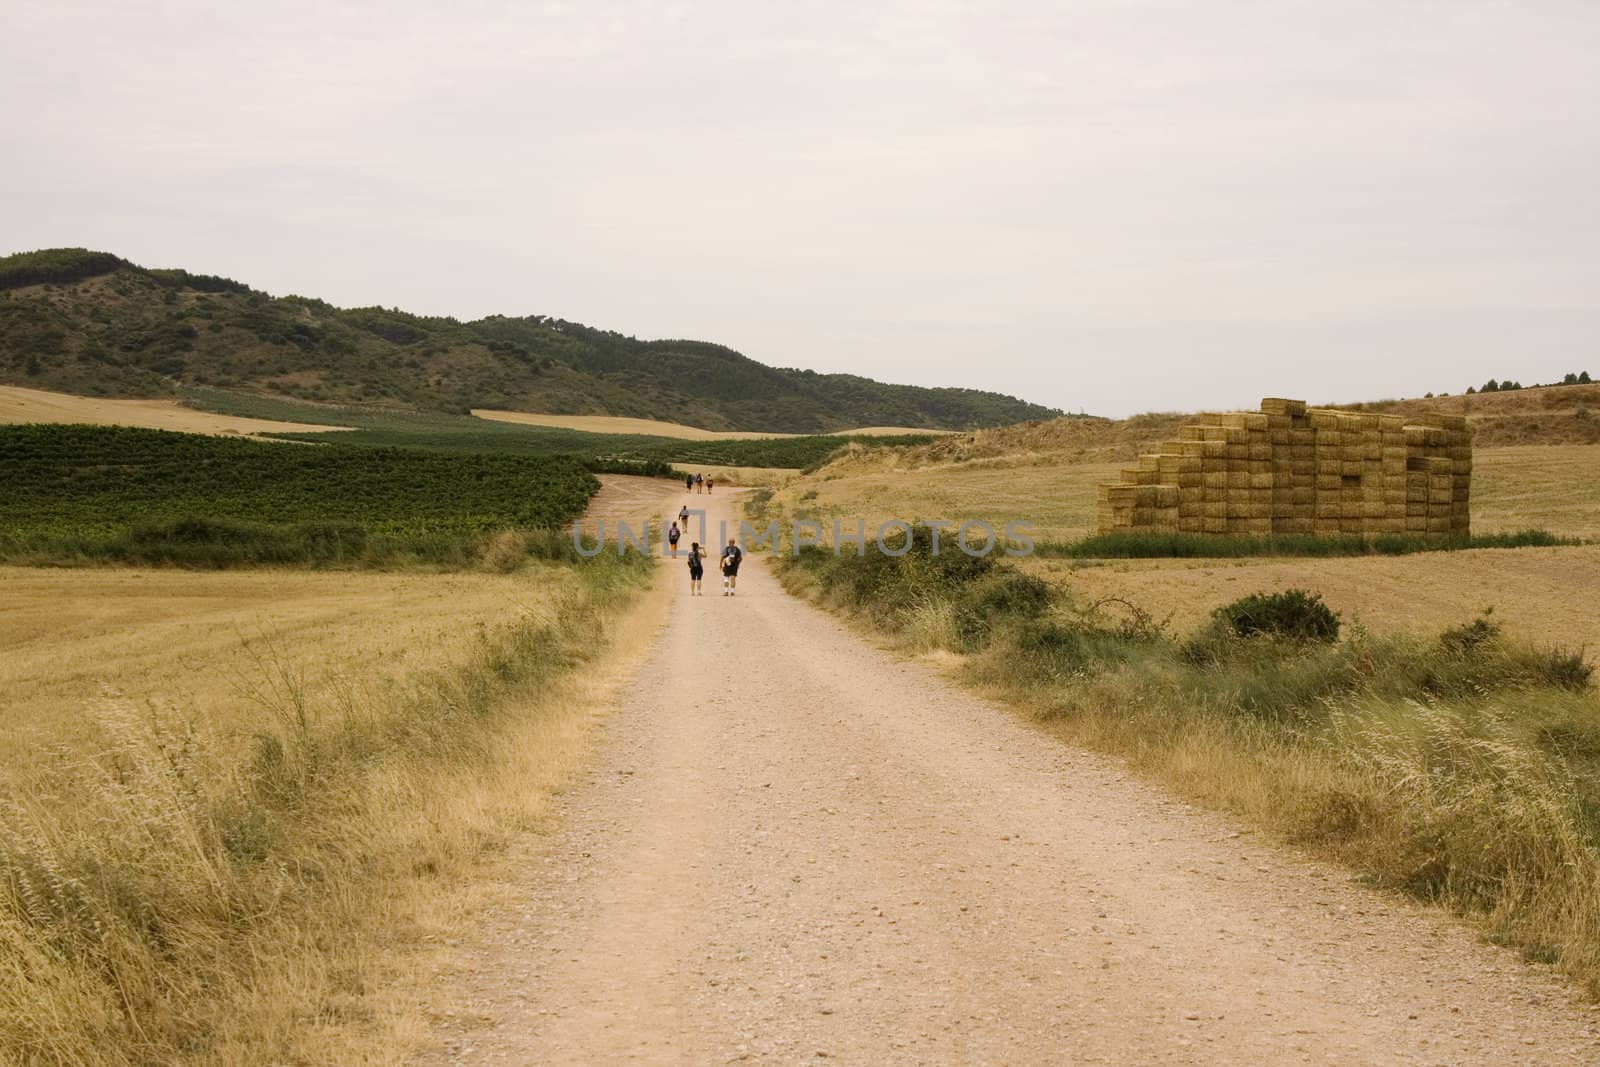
x=1294 y=615
x=1468 y=637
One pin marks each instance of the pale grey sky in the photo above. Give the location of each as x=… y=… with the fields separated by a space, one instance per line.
x=1106 y=206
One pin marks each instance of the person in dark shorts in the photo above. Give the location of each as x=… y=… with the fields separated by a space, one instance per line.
x=672 y=539
x=697 y=568
x=688 y=483
x=731 y=558
x=708 y=485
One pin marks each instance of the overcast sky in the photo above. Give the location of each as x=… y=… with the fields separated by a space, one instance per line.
x=1105 y=206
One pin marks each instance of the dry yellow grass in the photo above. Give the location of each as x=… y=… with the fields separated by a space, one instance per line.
x=657 y=428
x=1553 y=487
x=33 y=405
x=117 y=667
x=73 y=639
x=1543 y=595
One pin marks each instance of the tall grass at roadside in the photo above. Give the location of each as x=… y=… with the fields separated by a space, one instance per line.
x=163 y=901
x=1462 y=769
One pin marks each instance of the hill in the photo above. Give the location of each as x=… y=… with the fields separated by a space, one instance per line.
x=1546 y=415
x=92 y=323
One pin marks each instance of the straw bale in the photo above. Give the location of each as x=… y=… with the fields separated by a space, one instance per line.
x=1214 y=509
x=1277 y=405
x=1350 y=468
x=1189 y=479
x=1239 y=479
x=1214 y=479
x=1166 y=496
x=1214 y=450
x=1214 y=493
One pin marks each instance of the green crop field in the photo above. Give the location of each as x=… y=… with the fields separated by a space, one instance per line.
x=152 y=495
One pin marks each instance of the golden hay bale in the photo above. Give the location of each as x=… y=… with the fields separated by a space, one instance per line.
x=1274 y=405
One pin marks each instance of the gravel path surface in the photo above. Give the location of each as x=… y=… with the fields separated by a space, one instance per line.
x=795 y=848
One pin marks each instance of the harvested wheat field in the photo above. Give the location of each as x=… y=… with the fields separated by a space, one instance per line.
x=75 y=644
x=19 y=406
x=1544 y=595
x=1552 y=487
x=657 y=428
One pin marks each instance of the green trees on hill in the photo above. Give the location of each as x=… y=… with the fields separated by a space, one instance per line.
x=1492 y=386
x=93 y=323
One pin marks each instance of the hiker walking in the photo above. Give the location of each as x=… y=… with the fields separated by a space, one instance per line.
x=708 y=485
x=672 y=539
x=688 y=483
x=683 y=518
x=697 y=568
x=699 y=480
x=731 y=556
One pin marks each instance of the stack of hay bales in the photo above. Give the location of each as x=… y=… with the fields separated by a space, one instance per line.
x=1292 y=469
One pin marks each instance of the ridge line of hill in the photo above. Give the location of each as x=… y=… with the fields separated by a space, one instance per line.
x=92 y=323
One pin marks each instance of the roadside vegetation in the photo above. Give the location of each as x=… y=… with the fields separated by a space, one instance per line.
x=179 y=887
x=1461 y=767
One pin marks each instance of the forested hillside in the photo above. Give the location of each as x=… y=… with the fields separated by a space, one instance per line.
x=94 y=324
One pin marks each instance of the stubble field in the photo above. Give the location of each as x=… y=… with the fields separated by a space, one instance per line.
x=1545 y=595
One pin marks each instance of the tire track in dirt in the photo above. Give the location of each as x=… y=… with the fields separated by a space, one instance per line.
x=794 y=847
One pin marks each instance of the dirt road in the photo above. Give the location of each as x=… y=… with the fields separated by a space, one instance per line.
x=796 y=848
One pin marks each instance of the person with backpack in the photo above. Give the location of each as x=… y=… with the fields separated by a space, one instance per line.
x=688 y=483
x=672 y=539
x=697 y=569
x=699 y=480
x=708 y=485
x=683 y=518
x=731 y=557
